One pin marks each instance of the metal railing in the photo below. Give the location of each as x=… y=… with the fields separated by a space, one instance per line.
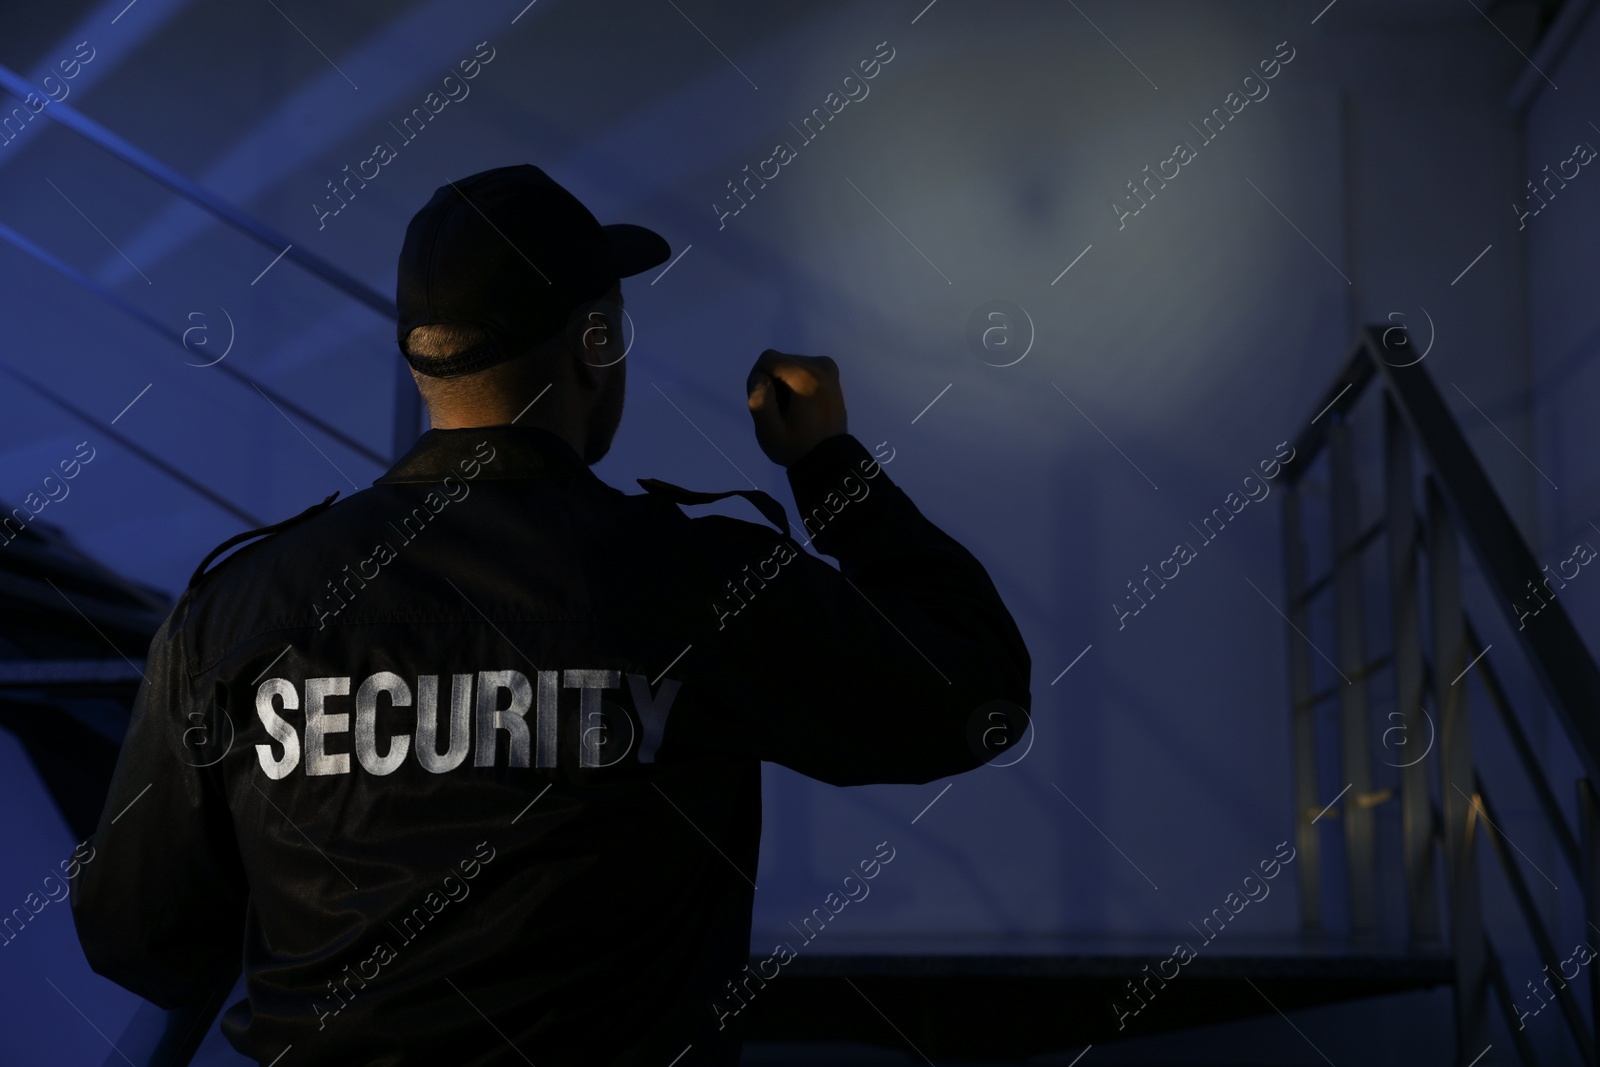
x=1444 y=804
x=170 y=1039
x=407 y=403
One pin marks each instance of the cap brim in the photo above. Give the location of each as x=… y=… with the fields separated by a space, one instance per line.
x=635 y=249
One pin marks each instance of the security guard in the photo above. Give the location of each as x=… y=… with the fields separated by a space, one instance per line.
x=465 y=769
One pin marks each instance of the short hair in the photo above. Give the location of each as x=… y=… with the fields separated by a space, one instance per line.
x=443 y=340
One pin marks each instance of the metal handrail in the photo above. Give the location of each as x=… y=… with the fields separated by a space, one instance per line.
x=408 y=403
x=1565 y=840
x=1543 y=942
x=1561 y=661
x=1459 y=506
x=137 y=449
x=186 y=1028
x=196 y=194
x=1355 y=548
x=127 y=307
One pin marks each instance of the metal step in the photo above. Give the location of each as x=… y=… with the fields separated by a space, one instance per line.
x=1043 y=996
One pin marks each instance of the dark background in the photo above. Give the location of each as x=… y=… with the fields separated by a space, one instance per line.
x=1175 y=354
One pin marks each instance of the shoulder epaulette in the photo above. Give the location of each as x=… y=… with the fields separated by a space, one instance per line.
x=248 y=535
x=769 y=508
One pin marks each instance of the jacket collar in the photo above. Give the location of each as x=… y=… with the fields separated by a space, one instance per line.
x=494 y=451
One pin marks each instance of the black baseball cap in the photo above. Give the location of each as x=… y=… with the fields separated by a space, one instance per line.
x=509 y=251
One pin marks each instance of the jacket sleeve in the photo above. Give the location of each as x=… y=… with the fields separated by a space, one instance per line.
x=160 y=906
x=903 y=665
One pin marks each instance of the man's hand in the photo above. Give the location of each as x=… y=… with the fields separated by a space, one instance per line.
x=796 y=403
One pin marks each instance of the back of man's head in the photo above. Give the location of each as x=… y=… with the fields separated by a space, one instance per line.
x=571 y=383
x=507 y=281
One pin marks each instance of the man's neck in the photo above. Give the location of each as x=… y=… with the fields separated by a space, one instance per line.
x=564 y=424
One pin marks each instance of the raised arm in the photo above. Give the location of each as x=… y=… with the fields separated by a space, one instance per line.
x=903 y=665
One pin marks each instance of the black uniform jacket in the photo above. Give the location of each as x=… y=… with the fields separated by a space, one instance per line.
x=464 y=769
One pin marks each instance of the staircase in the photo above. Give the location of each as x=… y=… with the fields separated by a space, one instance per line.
x=1437 y=506
x=1435 y=501
x=73 y=636
x=1059 y=996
